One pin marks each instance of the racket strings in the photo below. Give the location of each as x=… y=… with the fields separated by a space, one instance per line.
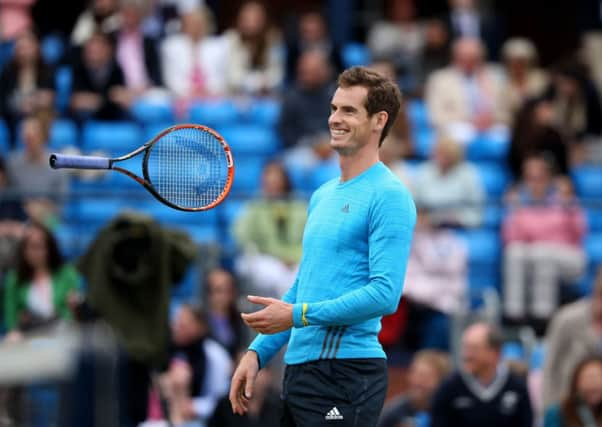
x=188 y=167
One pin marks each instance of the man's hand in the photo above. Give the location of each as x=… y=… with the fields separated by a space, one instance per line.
x=243 y=380
x=277 y=316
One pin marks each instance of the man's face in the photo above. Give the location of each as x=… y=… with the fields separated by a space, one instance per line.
x=423 y=380
x=349 y=123
x=477 y=355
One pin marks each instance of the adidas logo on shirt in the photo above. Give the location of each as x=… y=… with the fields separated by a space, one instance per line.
x=333 y=414
x=345 y=209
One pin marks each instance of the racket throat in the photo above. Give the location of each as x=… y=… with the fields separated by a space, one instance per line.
x=139 y=180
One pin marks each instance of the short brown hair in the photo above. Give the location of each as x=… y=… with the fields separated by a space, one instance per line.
x=383 y=94
x=438 y=360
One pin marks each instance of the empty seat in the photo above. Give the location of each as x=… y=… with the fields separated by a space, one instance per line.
x=324 y=173
x=418 y=114
x=513 y=350
x=251 y=139
x=424 y=141
x=152 y=112
x=594 y=218
x=52 y=48
x=115 y=137
x=593 y=247
x=63 y=80
x=494 y=177
x=213 y=113
x=264 y=112
x=588 y=181
x=4 y=138
x=63 y=133
x=247 y=175
x=99 y=210
x=488 y=147
x=355 y=54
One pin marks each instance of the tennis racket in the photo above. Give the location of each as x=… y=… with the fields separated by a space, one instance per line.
x=187 y=167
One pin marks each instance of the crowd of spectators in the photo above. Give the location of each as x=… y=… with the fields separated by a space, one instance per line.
x=476 y=85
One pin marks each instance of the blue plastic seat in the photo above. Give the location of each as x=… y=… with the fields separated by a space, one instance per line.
x=63 y=133
x=494 y=177
x=115 y=137
x=513 y=350
x=4 y=139
x=247 y=175
x=201 y=235
x=424 y=141
x=486 y=147
x=100 y=210
x=594 y=218
x=593 y=247
x=355 y=54
x=168 y=216
x=538 y=355
x=324 y=173
x=251 y=140
x=152 y=112
x=588 y=181
x=418 y=114
x=265 y=112
x=52 y=48
x=493 y=216
x=63 y=80
x=214 y=113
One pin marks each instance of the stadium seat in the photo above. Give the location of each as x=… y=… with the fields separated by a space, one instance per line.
x=588 y=181
x=114 y=137
x=6 y=52
x=323 y=173
x=300 y=178
x=265 y=112
x=537 y=358
x=418 y=114
x=593 y=247
x=213 y=113
x=149 y=112
x=486 y=147
x=247 y=175
x=150 y=130
x=63 y=80
x=493 y=216
x=201 y=235
x=169 y=217
x=248 y=139
x=52 y=48
x=4 y=139
x=484 y=253
x=100 y=210
x=63 y=133
x=494 y=177
x=513 y=351
x=424 y=140
x=355 y=54
x=594 y=218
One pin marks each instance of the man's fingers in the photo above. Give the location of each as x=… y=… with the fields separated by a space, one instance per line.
x=249 y=384
x=235 y=388
x=261 y=300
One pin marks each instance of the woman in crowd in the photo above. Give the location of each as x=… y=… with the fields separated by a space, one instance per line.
x=582 y=407
x=42 y=287
x=255 y=55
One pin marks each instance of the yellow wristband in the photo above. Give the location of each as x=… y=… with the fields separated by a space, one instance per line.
x=303 y=318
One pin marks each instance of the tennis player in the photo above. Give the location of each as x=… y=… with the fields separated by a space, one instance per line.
x=355 y=249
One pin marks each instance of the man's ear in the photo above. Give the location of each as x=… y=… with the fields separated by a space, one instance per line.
x=381 y=120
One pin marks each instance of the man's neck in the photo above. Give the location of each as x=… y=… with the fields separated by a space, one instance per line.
x=357 y=163
x=487 y=377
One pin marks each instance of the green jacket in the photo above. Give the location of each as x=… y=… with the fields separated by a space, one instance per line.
x=273 y=227
x=64 y=281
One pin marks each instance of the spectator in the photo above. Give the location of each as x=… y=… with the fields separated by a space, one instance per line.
x=225 y=323
x=582 y=407
x=29 y=175
x=428 y=369
x=312 y=34
x=15 y=18
x=192 y=59
x=270 y=233
x=264 y=408
x=41 y=287
x=399 y=40
x=449 y=187
x=483 y=392
x=98 y=83
x=199 y=371
x=523 y=79
x=435 y=284
x=136 y=53
x=576 y=103
x=466 y=20
x=100 y=16
x=534 y=133
x=466 y=97
x=26 y=83
x=255 y=58
x=543 y=241
x=574 y=333
x=306 y=106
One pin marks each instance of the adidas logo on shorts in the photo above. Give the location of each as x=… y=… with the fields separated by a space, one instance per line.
x=333 y=414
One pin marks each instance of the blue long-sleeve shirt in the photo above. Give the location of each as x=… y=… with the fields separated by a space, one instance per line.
x=356 y=245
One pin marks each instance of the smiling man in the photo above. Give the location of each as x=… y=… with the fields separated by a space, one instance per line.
x=355 y=249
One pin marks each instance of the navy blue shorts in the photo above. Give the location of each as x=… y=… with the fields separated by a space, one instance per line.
x=334 y=392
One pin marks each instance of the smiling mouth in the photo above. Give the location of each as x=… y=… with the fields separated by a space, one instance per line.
x=338 y=132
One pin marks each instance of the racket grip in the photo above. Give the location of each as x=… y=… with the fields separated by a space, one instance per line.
x=59 y=161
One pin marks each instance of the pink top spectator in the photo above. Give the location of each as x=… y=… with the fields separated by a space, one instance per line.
x=15 y=17
x=130 y=54
x=546 y=223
